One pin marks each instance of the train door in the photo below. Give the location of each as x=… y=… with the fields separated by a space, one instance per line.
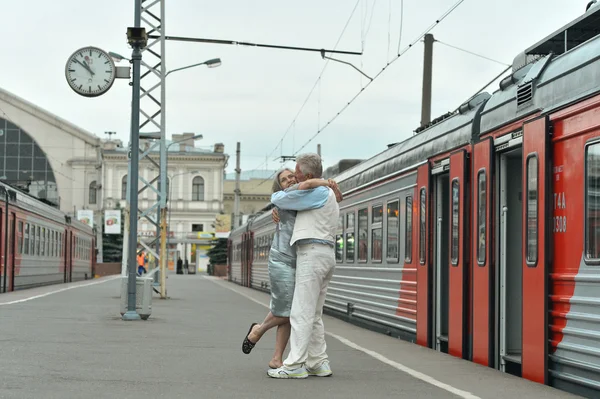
x=458 y=328
x=509 y=274
x=535 y=263
x=482 y=276
x=441 y=216
x=423 y=269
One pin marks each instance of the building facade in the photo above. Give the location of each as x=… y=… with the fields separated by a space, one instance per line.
x=74 y=170
x=255 y=192
x=195 y=179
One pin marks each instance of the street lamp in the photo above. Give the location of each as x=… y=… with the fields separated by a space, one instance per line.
x=169 y=207
x=212 y=63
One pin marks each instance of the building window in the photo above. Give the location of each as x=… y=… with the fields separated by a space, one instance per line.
x=124 y=188
x=198 y=189
x=393 y=229
x=455 y=221
x=197 y=228
x=93 y=192
x=532 y=210
x=24 y=164
x=481 y=216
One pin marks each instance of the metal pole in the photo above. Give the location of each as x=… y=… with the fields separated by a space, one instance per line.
x=163 y=253
x=163 y=149
x=319 y=150
x=136 y=57
x=427 y=77
x=236 y=204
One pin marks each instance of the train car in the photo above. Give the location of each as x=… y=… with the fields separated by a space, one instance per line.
x=40 y=245
x=479 y=236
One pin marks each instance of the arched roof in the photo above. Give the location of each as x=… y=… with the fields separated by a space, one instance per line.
x=24 y=164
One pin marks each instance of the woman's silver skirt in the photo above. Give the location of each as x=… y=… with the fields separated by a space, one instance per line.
x=282 y=276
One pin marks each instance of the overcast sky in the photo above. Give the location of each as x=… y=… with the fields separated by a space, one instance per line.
x=256 y=94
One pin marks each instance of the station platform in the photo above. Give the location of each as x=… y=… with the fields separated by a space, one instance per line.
x=68 y=341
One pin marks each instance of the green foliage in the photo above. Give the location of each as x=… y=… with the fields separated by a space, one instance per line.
x=218 y=253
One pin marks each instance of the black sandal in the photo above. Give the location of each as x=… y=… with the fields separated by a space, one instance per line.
x=247 y=345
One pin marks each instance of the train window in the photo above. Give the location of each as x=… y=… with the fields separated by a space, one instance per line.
x=42 y=242
x=532 y=211
x=423 y=226
x=455 y=221
x=393 y=230
x=26 y=240
x=339 y=240
x=592 y=203
x=408 y=229
x=32 y=242
x=20 y=239
x=377 y=233
x=481 y=216
x=350 y=237
x=363 y=234
x=350 y=220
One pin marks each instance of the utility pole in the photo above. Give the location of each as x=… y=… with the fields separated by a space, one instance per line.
x=236 y=204
x=319 y=150
x=136 y=57
x=427 y=78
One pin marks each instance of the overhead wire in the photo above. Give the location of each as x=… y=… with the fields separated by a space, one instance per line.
x=472 y=53
x=362 y=90
x=280 y=143
x=400 y=54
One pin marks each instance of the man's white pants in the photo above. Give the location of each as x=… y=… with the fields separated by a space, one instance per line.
x=315 y=264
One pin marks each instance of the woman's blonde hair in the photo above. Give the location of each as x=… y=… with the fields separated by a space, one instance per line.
x=276 y=184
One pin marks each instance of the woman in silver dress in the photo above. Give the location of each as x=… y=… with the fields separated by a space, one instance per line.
x=282 y=271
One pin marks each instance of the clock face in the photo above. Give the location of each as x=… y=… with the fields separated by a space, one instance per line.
x=90 y=71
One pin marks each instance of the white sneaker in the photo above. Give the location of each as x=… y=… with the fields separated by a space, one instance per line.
x=282 y=372
x=322 y=371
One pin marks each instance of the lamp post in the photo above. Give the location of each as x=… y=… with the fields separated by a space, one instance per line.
x=133 y=171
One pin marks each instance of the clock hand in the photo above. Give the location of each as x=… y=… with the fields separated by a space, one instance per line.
x=85 y=66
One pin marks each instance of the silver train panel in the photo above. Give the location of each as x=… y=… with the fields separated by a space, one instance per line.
x=575 y=365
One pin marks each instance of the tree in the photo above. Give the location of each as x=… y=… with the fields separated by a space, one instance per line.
x=218 y=254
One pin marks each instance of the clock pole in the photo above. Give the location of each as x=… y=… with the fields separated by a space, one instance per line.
x=137 y=39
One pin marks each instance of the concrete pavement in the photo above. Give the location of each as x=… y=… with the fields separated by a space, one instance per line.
x=73 y=344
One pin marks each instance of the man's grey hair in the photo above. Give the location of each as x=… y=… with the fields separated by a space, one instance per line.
x=310 y=163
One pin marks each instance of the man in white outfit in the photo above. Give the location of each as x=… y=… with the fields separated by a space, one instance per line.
x=314 y=237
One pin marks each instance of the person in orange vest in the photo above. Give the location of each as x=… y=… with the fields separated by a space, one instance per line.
x=141 y=261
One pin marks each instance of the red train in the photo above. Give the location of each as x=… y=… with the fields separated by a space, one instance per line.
x=40 y=245
x=479 y=236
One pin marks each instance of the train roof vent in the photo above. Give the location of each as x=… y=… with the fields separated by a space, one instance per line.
x=524 y=95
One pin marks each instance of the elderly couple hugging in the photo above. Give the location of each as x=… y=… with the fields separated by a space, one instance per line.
x=301 y=264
